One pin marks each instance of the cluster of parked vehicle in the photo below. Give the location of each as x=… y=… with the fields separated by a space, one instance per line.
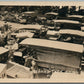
x=41 y=39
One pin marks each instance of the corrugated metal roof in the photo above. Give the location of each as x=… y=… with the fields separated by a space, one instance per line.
x=53 y=44
x=19 y=71
x=35 y=27
x=3 y=50
x=73 y=32
x=76 y=16
x=66 y=21
x=53 y=13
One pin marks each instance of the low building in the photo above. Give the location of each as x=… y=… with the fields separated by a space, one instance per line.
x=56 y=55
x=18 y=71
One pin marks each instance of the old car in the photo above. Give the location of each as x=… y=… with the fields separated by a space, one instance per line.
x=22 y=54
x=79 y=18
x=49 y=17
x=21 y=36
x=31 y=28
x=18 y=55
x=22 y=19
x=66 y=35
x=73 y=36
x=48 y=54
x=41 y=20
x=52 y=35
x=29 y=17
x=66 y=24
x=38 y=30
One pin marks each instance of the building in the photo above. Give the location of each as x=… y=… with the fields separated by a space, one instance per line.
x=18 y=71
x=56 y=55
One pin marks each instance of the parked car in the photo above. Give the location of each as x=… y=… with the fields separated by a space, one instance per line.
x=79 y=18
x=50 y=16
x=29 y=17
x=41 y=20
x=71 y=36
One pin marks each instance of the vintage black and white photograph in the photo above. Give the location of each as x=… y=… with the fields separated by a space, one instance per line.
x=41 y=42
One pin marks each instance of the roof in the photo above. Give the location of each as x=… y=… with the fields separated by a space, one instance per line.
x=66 y=21
x=52 y=13
x=73 y=32
x=29 y=12
x=19 y=70
x=17 y=26
x=52 y=32
x=24 y=34
x=35 y=27
x=76 y=16
x=2 y=66
x=41 y=17
x=13 y=25
x=53 y=44
x=66 y=76
x=3 y=50
x=19 y=54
